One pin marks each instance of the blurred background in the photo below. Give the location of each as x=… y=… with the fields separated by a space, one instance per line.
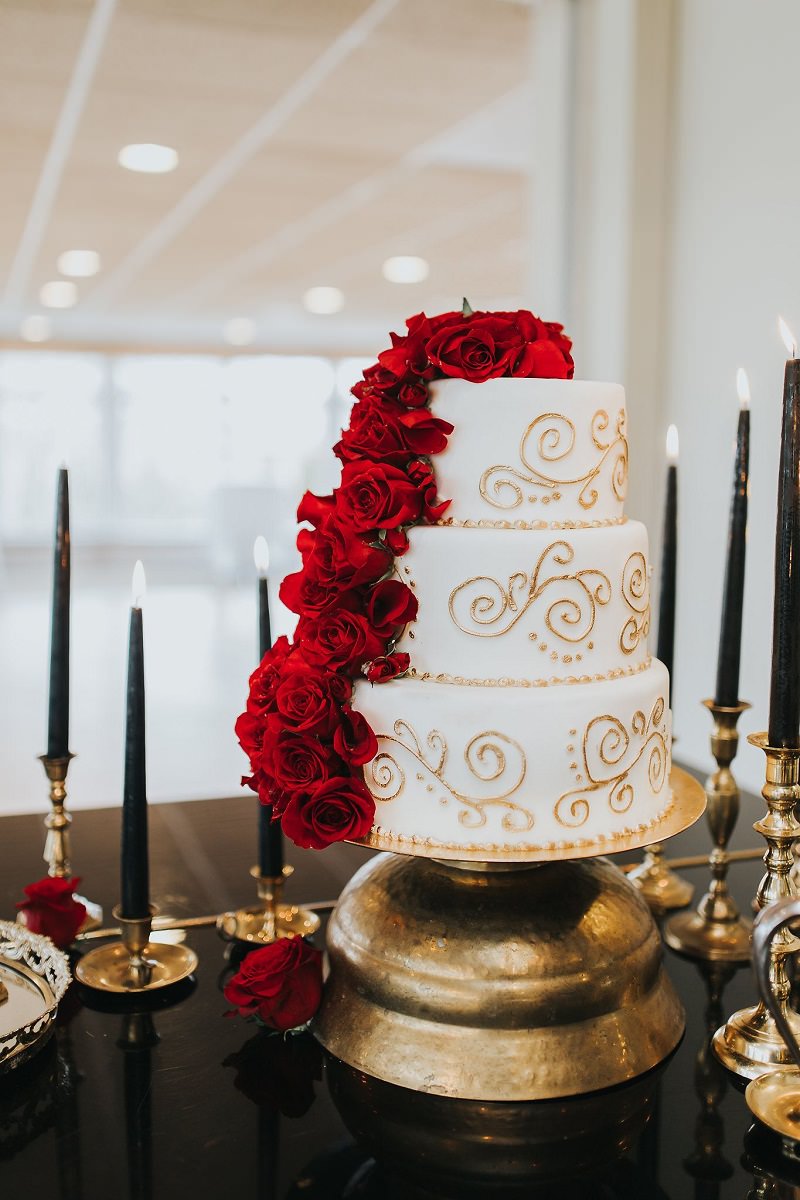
x=211 y=215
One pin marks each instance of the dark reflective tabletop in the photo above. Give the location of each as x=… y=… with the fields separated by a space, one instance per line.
x=178 y=1100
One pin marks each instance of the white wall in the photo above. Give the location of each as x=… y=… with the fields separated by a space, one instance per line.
x=734 y=264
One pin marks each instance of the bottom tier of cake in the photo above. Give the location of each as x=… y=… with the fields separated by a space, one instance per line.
x=510 y=769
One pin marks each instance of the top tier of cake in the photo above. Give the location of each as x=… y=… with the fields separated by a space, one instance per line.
x=532 y=453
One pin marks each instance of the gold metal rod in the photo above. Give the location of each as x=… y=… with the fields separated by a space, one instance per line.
x=160 y=923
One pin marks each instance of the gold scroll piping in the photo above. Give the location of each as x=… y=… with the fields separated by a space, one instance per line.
x=636 y=595
x=610 y=754
x=484 y=607
x=495 y=762
x=548 y=440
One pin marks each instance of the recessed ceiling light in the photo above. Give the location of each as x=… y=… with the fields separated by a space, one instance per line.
x=81 y=264
x=324 y=300
x=58 y=293
x=148 y=157
x=35 y=328
x=405 y=268
x=239 y=331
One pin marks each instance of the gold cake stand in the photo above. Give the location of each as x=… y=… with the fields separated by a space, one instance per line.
x=533 y=978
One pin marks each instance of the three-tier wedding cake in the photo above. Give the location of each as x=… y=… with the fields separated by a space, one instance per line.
x=469 y=673
x=532 y=715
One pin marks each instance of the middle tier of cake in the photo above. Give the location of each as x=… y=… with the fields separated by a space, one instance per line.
x=529 y=607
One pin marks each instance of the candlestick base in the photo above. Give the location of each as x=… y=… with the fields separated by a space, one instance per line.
x=750 y=1043
x=57 y=843
x=659 y=886
x=265 y=922
x=716 y=931
x=135 y=965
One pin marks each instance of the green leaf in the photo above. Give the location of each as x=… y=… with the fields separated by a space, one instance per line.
x=466 y=308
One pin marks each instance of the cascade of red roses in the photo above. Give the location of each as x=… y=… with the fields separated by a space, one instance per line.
x=306 y=744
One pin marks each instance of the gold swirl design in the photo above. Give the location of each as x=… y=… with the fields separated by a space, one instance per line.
x=610 y=755
x=636 y=595
x=505 y=681
x=491 y=758
x=485 y=523
x=550 y=439
x=483 y=607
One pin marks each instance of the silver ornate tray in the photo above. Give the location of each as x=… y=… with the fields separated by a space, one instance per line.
x=35 y=975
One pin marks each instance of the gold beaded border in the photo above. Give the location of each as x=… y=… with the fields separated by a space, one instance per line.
x=504 y=681
x=485 y=523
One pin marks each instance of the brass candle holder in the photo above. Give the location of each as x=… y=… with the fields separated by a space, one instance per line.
x=57 y=843
x=135 y=964
x=716 y=930
x=268 y=920
x=660 y=886
x=751 y=1043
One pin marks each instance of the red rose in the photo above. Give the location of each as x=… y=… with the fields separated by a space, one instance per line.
x=309 y=700
x=303 y=593
x=408 y=356
x=374 y=433
x=380 y=670
x=397 y=541
x=249 y=730
x=376 y=496
x=390 y=604
x=280 y=984
x=480 y=347
x=354 y=740
x=266 y=676
x=421 y=473
x=297 y=760
x=413 y=393
x=545 y=360
x=376 y=382
x=338 y=640
x=51 y=909
x=331 y=812
x=339 y=558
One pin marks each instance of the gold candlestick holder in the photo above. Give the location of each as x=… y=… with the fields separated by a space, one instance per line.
x=716 y=930
x=268 y=920
x=135 y=964
x=660 y=887
x=57 y=843
x=751 y=1044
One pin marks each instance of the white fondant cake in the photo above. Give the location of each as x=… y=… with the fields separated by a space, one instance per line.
x=532 y=716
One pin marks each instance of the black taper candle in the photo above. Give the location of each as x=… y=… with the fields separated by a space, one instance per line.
x=730 y=634
x=669 y=556
x=134 y=855
x=784 y=696
x=270 y=838
x=58 y=705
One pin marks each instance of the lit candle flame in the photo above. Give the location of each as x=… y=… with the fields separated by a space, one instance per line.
x=139 y=585
x=672 y=445
x=743 y=387
x=261 y=555
x=789 y=340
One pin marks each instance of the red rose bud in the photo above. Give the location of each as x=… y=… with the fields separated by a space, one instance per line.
x=354 y=740
x=422 y=475
x=413 y=394
x=280 y=984
x=425 y=434
x=338 y=640
x=380 y=670
x=390 y=604
x=331 y=812
x=314 y=509
x=376 y=496
x=397 y=541
x=51 y=909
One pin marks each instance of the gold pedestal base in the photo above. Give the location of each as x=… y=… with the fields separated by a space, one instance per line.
x=775 y=1100
x=512 y=983
x=717 y=941
x=134 y=965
